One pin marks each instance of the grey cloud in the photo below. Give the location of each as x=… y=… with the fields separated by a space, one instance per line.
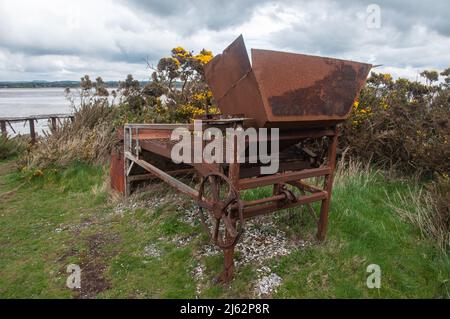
x=217 y=15
x=194 y=15
x=404 y=14
x=121 y=52
x=406 y=38
x=120 y=34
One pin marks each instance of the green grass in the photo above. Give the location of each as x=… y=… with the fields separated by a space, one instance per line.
x=12 y=147
x=67 y=216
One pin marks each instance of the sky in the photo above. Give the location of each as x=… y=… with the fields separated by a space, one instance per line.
x=63 y=40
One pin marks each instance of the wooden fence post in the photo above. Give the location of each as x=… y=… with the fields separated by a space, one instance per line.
x=54 y=125
x=3 y=128
x=32 y=132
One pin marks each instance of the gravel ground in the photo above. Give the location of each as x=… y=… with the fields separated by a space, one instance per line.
x=183 y=241
x=267 y=282
x=262 y=241
x=152 y=251
x=198 y=273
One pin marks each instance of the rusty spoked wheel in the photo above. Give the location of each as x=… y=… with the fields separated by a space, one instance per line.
x=218 y=195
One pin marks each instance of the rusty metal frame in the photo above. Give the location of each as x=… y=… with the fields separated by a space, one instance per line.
x=305 y=96
x=134 y=144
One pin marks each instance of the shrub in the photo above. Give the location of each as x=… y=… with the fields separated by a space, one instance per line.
x=10 y=147
x=177 y=91
x=88 y=138
x=401 y=123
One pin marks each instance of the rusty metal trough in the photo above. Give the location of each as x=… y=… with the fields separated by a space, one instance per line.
x=304 y=96
x=285 y=90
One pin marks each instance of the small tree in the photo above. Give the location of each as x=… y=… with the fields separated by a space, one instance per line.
x=446 y=73
x=430 y=76
x=89 y=92
x=179 y=80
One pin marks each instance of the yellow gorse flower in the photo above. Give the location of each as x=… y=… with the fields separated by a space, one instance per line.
x=204 y=57
x=180 y=52
x=199 y=96
x=176 y=62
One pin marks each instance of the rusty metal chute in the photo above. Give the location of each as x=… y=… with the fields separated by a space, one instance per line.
x=285 y=90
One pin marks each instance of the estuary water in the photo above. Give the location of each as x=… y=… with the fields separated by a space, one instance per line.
x=24 y=102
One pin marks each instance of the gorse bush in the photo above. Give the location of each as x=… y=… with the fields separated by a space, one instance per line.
x=177 y=91
x=402 y=123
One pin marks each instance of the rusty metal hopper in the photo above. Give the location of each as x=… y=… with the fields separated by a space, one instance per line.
x=282 y=89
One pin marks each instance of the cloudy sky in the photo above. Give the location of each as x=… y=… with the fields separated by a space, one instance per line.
x=62 y=40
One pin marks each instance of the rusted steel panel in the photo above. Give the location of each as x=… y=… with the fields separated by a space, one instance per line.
x=233 y=83
x=285 y=90
x=226 y=69
x=244 y=98
x=300 y=87
x=116 y=170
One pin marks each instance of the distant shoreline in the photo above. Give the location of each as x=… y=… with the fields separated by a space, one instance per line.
x=47 y=84
x=53 y=84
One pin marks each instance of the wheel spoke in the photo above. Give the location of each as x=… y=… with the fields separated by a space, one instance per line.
x=216 y=230
x=229 y=226
x=225 y=203
x=205 y=204
x=215 y=188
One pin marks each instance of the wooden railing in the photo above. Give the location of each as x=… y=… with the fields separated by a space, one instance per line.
x=54 y=119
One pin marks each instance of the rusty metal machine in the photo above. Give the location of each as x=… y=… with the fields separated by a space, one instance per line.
x=305 y=96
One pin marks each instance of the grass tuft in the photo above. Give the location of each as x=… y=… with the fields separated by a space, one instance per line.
x=418 y=207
